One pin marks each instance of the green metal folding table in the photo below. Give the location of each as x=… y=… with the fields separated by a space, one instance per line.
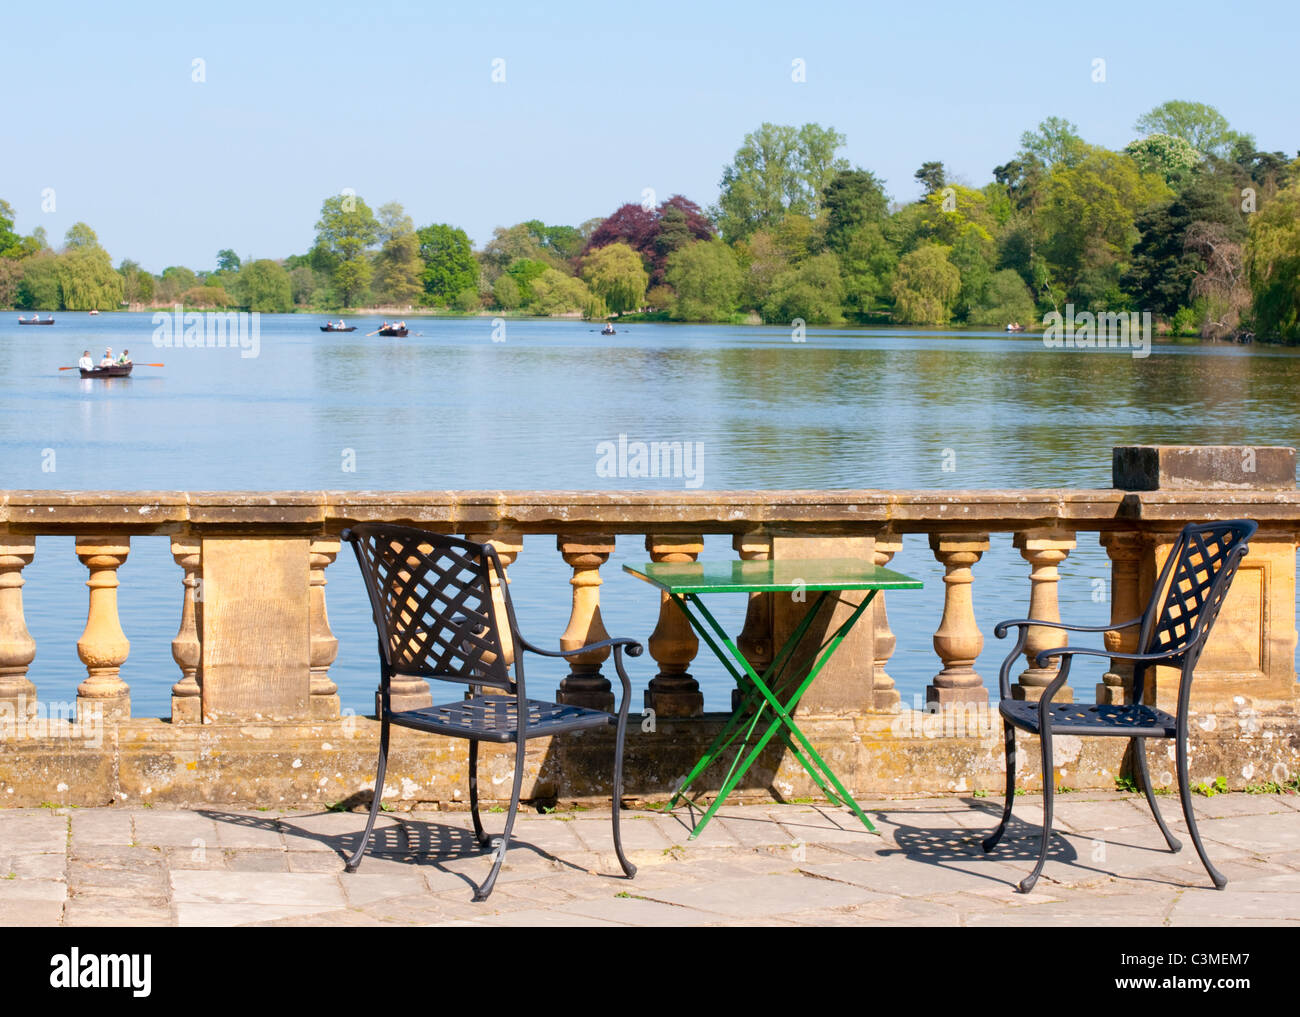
x=685 y=582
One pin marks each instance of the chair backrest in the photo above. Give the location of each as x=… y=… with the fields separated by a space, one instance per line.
x=1191 y=589
x=431 y=597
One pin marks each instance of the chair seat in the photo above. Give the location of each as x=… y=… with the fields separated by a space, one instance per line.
x=1092 y=719
x=495 y=719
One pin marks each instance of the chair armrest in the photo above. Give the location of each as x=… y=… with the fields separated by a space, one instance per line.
x=634 y=649
x=1000 y=630
x=1071 y=651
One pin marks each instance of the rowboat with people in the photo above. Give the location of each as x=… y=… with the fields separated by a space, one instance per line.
x=35 y=319
x=115 y=371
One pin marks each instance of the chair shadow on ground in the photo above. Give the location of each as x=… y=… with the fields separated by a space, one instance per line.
x=948 y=847
x=412 y=841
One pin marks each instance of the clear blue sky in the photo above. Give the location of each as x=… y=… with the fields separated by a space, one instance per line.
x=396 y=101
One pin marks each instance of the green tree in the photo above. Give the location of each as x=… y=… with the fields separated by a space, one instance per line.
x=302 y=285
x=87 y=279
x=11 y=277
x=867 y=263
x=1171 y=157
x=926 y=286
x=449 y=265
x=509 y=244
x=974 y=255
x=505 y=291
x=38 y=289
x=398 y=269
x=853 y=199
x=1201 y=126
x=1006 y=299
x=707 y=281
x=761 y=262
x=615 y=274
x=932 y=177
x=205 y=297
x=264 y=286
x=137 y=284
x=1162 y=268
x=11 y=244
x=1055 y=142
x=1273 y=264
x=777 y=169
x=1089 y=220
x=813 y=291
x=227 y=261
x=524 y=272
x=175 y=280
x=557 y=293
x=347 y=229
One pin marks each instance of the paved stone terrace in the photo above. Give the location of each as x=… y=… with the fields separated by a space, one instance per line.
x=794 y=864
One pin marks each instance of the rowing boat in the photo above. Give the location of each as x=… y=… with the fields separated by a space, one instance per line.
x=394 y=333
x=116 y=371
x=35 y=321
x=331 y=328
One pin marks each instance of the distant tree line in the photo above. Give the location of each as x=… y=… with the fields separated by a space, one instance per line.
x=1190 y=221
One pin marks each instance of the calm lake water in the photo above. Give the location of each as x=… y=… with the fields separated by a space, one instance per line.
x=450 y=408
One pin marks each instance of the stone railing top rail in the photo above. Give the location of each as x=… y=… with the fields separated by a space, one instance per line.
x=574 y=512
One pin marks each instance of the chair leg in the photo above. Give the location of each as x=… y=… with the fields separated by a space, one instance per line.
x=375 y=799
x=629 y=869
x=1049 y=790
x=1185 y=793
x=1140 y=759
x=1009 y=743
x=485 y=891
x=483 y=839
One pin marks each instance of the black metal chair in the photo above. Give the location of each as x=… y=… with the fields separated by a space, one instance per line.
x=431 y=597
x=1184 y=603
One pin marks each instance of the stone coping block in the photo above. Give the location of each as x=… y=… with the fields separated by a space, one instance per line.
x=1203 y=467
x=611 y=513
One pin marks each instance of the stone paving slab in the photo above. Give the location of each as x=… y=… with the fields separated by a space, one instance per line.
x=794 y=864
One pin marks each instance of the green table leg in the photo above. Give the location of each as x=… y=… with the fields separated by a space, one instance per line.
x=783 y=718
x=752 y=696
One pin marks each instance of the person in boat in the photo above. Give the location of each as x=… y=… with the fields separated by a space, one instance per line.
x=107 y=361
x=340 y=325
x=125 y=358
x=85 y=363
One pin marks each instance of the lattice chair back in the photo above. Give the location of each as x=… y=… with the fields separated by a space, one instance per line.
x=1191 y=589
x=431 y=597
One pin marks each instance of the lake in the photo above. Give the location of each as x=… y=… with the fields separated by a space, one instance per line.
x=527 y=404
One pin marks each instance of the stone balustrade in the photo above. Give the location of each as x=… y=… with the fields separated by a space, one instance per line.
x=254 y=646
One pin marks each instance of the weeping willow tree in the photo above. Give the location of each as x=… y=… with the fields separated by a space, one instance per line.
x=87 y=279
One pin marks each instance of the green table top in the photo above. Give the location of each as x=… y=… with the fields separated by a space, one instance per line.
x=782 y=576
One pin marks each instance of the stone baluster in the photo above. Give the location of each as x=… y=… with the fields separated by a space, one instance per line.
x=884 y=696
x=958 y=640
x=585 y=685
x=187 y=650
x=103 y=646
x=1124 y=548
x=1044 y=550
x=508 y=544
x=324 y=646
x=755 y=639
x=673 y=692
x=17 y=647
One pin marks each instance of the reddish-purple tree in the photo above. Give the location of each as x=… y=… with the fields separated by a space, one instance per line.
x=654 y=234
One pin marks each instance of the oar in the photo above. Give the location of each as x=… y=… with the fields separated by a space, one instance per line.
x=136 y=364
x=369 y=334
